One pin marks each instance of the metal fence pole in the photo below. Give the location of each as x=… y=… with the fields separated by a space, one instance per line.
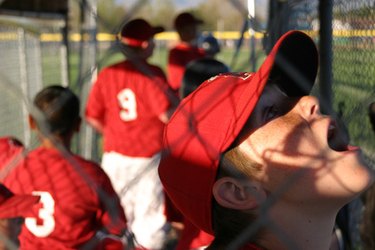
x=325 y=50
x=88 y=139
x=251 y=8
x=23 y=80
x=64 y=65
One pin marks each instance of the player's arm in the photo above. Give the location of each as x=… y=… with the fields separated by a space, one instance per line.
x=165 y=116
x=97 y=124
x=95 y=107
x=9 y=229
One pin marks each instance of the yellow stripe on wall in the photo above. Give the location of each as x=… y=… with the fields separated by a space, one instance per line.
x=171 y=35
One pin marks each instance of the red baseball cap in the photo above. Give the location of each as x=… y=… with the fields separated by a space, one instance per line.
x=207 y=122
x=137 y=31
x=13 y=205
x=184 y=19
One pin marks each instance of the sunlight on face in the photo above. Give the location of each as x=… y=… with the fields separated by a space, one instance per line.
x=289 y=138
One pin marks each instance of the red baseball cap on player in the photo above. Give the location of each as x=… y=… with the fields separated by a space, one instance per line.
x=137 y=32
x=207 y=122
x=184 y=19
x=13 y=205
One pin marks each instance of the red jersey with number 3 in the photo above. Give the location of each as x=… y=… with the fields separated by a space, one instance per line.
x=128 y=99
x=72 y=209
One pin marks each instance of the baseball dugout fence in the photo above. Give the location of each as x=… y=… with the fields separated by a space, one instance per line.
x=31 y=60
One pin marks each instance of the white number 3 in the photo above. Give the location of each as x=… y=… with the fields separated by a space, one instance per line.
x=45 y=213
x=128 y=105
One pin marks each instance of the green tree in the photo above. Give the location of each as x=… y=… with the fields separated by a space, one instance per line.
x=164 y=13
x=110 y=15
x=74 y=15
x=222 y=15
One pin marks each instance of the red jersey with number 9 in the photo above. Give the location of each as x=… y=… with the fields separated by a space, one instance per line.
x=128 y=99
x=77 y=200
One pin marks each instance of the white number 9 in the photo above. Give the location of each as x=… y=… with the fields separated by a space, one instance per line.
x=45 y=213
x=128 y=104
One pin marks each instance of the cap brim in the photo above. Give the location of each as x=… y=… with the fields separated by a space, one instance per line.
x=158 y=29
x=18 y=206
x=292 y=63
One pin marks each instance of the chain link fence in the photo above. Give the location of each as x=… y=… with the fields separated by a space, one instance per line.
x=28 y=63
x=353 y=83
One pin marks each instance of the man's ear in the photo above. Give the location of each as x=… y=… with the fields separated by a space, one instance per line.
x=238 y=194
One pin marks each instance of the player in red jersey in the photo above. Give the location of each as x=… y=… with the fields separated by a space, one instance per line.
x=129 y=105
x=250 y=159
x=78 y=203
x=185 y=51
x=12 y=206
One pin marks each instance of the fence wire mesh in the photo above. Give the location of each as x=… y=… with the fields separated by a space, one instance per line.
x=28 y=64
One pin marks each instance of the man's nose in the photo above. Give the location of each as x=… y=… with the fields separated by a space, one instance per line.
x=309 y=107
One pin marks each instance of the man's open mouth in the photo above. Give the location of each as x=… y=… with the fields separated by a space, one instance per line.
x=337 y=138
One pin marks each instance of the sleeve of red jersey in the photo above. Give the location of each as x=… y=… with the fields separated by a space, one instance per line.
x=10 y=148
x=95 y=106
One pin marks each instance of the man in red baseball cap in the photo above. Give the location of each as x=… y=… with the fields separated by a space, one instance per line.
x=138 y=33
x=186 y=50
x=129 y=105
x=250 y=159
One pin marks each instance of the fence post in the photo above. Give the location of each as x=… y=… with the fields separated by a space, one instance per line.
x=325 y=59
x=23 y=81
x=87 y=140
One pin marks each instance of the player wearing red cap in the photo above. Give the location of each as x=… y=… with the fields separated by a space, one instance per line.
x=129 y=105
x=186 y=50
x=77 y=201
x=250 y=159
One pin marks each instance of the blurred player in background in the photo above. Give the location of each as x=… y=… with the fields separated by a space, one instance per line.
x=198 y=71
x=201 y=69
x=129 y=104
x=209 y=44
x=186 y=50
x=12 y=207
x=78 y=205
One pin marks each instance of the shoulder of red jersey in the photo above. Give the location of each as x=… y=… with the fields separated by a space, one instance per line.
x=10 y=148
